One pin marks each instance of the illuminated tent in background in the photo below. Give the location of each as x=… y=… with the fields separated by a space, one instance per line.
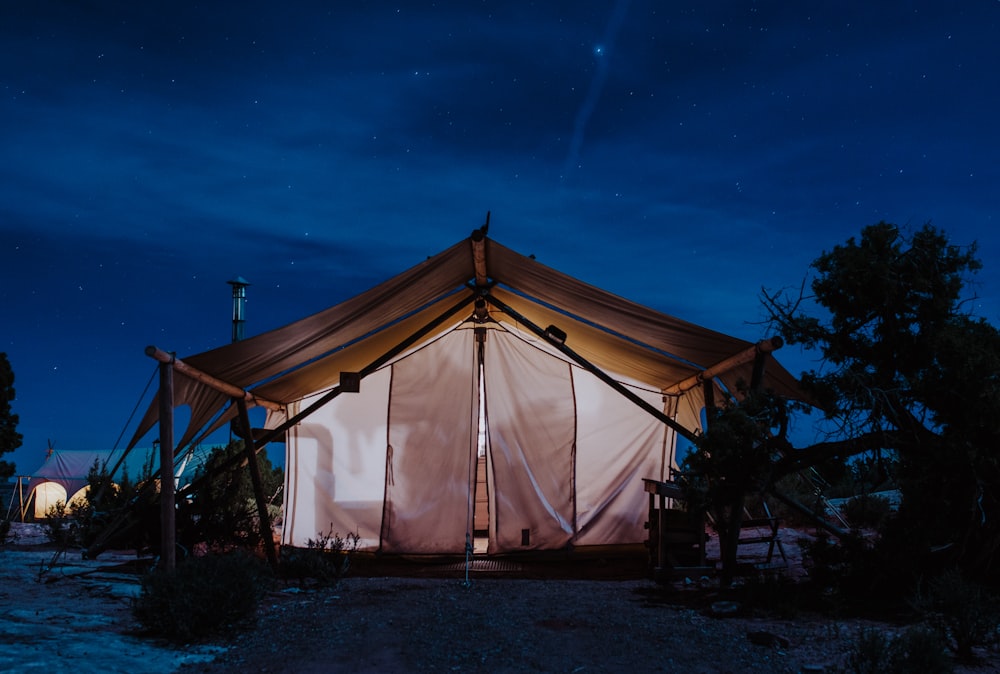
x=479 y=393
x=63 y=475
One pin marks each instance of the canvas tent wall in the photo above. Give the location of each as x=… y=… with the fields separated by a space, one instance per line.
x=572 y=420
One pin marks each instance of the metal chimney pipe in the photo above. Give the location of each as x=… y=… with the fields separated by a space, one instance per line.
x=239 y=285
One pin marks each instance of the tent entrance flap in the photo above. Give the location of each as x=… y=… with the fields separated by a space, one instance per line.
x=531 y=434
x=432 y=442
x=481 y=496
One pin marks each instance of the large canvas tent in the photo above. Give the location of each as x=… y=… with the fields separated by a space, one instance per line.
x=479 y=392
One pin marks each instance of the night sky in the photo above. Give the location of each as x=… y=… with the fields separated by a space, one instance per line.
x=682 y=155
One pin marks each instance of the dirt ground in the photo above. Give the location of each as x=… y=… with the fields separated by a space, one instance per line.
x=75 y=615
x=511 y=625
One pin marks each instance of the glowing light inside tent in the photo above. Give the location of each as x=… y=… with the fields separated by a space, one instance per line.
x=79 y=498
x=47 y=495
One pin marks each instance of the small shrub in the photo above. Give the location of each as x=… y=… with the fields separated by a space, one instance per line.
x=916 y=649
x=963 y=612
x=866 y=573
x=866 y=511
x=4 y=531
x=202 y=597
x=870 y=653
x=325 y=559
x=920 y=649
x=58 y=527
x=841 y=571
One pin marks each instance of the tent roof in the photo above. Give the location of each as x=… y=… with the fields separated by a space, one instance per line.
x=615 y=334
x=71 y=467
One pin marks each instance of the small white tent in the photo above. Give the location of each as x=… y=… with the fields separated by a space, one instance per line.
x=568 y=395
x=63 y=475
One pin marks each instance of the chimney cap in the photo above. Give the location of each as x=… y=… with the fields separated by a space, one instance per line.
x=238 y=281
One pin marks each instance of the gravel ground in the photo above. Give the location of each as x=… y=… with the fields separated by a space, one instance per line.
x=510 y=625
x=604 y=620
x=76 y=617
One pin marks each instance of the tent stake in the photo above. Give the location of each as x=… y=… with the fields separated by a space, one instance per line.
x=593 y=369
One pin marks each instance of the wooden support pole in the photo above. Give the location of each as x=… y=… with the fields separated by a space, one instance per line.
x=266 y=534
x=708 y=390
x=168 y=533
x=759 y=366
x=210 y=381
x=20 y=497
x=745 y=356
x=661 y=521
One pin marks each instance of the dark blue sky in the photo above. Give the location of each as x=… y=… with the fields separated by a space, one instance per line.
x=678 y=155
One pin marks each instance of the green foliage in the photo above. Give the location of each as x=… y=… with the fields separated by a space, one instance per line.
x=916 y=649
x=325 y=559
x=852 y=573
x=105 y=494
x=904 y=368
x=222 y=510
x=866 y=511
x=10 y=439
x=58 y=528
x=82 y=520
x=740 y=440
x=802 y=491
x=733 y=459
x=964 y=613
x=861 y=474
x=870 y=653
x=960 y=505
x=105 y=497
x=203 y=597
x=834 y=477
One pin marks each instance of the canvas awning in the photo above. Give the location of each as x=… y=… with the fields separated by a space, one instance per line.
x=291 y=362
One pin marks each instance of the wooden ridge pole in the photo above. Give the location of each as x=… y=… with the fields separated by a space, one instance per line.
x=745 y=356
x=208 y=380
